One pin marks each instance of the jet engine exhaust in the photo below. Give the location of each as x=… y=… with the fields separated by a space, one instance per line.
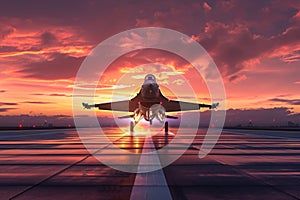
x=157 y=111
x=137 y=115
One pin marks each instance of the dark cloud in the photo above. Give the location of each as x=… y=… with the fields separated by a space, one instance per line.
x=8 y=104
x=283 y=95
x=62 y=95
x=234 y=78
x=288 y=101
x=265 y=17
x=2 y=91
x=6 y=109
x=61 y=66
x=48 y=39
x=61 y=116
x=233 y=32
x=5 y=30
x=233 y=45
x=35 y=8
x=268 y=18
x=4 y=49
x=58 y=95
x=51 y=95
x=37 y=102
x=101 y=19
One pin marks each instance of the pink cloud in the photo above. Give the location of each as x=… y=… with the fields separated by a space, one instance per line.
x=128 y=61
x=25 y=38
x=6 y=30
x=58 y=67
x=237 y=78
x=234 y=47
x=206 y=7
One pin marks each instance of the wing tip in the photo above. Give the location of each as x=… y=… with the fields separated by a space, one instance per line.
x=86 y=105
x=214 y=105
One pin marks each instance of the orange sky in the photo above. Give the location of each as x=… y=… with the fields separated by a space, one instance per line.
x=257 y=51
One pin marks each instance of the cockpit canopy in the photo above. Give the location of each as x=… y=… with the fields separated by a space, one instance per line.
x=150 y=78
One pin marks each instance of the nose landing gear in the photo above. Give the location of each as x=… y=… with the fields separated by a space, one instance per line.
x=131 y=127
x=166 y=128
x=132 y=124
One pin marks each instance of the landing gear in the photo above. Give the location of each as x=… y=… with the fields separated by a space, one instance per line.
x=150 y=122
x=131 y=127
x=166 y=128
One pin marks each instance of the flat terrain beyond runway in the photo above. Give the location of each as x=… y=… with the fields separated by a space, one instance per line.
x=54 y=164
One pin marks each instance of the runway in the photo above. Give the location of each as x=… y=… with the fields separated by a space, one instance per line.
x=54 y=164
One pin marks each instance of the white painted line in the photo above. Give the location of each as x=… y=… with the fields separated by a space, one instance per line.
x=151 y=185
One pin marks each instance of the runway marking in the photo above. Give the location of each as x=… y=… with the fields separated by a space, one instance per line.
x=260 y=180
x=33 y=134
x=241 y=171
x=262 y=135
x=151 y=185
x=62 y=170
x=227 y=143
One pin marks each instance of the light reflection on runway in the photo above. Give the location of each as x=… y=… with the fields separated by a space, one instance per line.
x=56 y=166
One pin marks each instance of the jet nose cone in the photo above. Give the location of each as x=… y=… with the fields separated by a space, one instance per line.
x=151 y=88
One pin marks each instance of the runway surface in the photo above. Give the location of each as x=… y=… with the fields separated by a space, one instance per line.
x=54 y=164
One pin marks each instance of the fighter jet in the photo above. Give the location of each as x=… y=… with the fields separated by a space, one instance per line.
x=149 y=103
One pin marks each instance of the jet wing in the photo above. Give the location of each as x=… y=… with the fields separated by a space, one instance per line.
x=126 y=106
x=173 y=106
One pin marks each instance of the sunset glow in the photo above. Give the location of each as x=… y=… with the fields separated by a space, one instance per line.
x=257 y=53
